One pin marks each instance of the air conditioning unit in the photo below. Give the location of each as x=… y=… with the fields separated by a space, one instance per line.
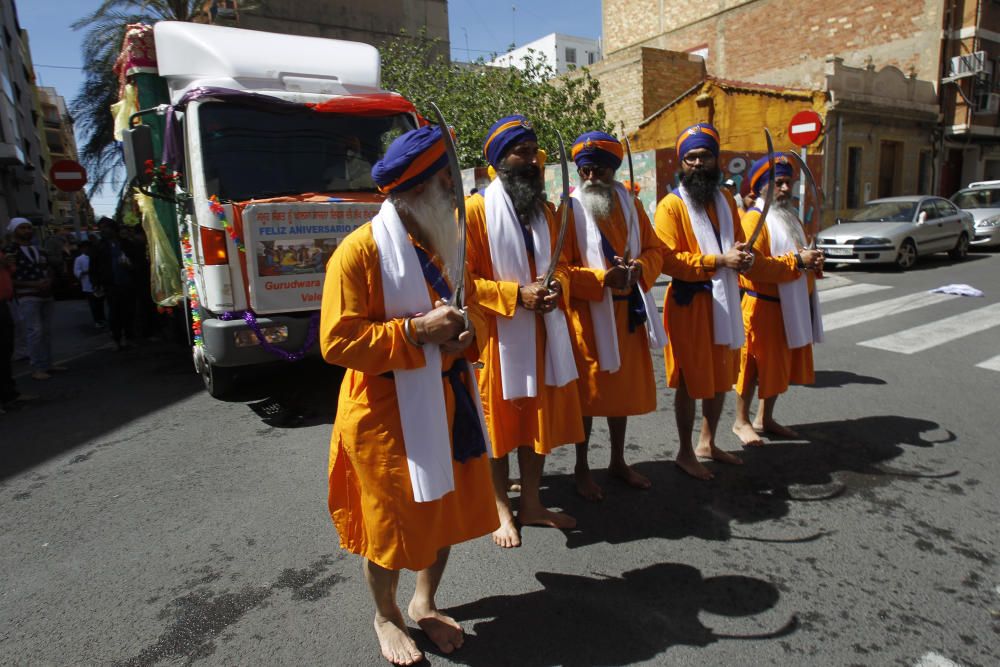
x=970 y=65
x=987 y=103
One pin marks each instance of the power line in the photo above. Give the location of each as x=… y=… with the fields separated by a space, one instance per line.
x=57 y=66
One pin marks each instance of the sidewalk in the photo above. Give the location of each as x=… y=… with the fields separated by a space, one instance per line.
x=73 y=335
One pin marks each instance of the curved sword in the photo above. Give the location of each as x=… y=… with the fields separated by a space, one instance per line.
x=813 y=229
x=627 y=256
x=561 y=239
x=770 y=193
x=457 y=299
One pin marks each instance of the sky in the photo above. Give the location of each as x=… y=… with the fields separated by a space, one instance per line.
x=477 y=28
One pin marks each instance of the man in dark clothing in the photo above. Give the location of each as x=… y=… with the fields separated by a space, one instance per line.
x=112 y=271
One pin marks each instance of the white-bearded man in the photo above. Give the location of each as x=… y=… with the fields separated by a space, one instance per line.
x=528 y=379
x=781 y=312
x=705 y=251
x=408 y=472
x=614 y=317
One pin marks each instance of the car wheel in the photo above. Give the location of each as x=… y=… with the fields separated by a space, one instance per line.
x=961 y=249
x=907 y=255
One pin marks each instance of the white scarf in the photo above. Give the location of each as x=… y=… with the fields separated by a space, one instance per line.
x=602 y=313
x=727 y=317
x=803 y=324
x=419 y=391
x=518 y=372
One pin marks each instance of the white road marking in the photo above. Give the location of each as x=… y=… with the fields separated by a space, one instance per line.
x=882 y=309
x=991 y=365
x=931 y=659
x=939 y=332
x=847 y=291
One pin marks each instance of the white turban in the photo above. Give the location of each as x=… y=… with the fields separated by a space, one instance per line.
x=15 y=223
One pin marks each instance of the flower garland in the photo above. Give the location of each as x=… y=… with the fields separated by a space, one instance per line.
x=163 y=179
x=251 y=319
x=192 y=289
x=220 y=213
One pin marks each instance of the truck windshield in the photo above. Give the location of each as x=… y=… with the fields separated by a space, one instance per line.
x=257 y=153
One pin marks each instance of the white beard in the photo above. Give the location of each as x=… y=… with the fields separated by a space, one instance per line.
x=784 y=214
x=434 y=214
x=598 y=199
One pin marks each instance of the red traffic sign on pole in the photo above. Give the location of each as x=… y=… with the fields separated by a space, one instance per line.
x=68 y=175
x=805 y=128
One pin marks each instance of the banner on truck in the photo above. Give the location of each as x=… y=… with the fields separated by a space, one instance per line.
x=288 y=245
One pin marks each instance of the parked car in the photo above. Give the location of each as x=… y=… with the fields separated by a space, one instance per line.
x=982 y=200
x=897 y=230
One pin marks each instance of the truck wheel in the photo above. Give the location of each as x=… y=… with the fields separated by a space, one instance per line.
x=219 y=381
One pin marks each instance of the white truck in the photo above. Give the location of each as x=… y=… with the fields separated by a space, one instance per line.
x=271 y=138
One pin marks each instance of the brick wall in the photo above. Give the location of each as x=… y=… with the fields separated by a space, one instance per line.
x=784 y=42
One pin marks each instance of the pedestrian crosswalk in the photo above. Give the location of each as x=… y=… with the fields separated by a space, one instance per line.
x=932 y=333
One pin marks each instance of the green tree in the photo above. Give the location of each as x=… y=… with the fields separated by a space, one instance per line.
x=472 y=96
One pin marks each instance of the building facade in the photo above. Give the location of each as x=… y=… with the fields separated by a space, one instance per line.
x=23 y=167
x=69 y=209
x=561 y=52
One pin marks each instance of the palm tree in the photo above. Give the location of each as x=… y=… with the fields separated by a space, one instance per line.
x=91 y=108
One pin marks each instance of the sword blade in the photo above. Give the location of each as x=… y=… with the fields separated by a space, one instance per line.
x=770 y=192
x=631 y=191
x=561 y=239
x=458 y=273
x=813 y=228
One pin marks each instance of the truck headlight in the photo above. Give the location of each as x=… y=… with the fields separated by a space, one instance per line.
x=247 y=338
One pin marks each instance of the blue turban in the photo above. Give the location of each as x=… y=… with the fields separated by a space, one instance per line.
x=597 y=149
x=504 y=133
x=410 y=160
x=760 y=172
x=702 y=135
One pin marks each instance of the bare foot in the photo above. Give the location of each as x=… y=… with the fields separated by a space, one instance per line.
x=717 y=454
x=507 y=535
x=627 y=474
x=545 y=517
x=513 y=486
x=747 y=434
x=587 y=487
x=395 y=641
x=774 y=428
x=692 y=466
x=443 y=630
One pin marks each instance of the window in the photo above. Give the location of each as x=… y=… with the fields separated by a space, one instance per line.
x=570 y=55
x=890 y=163
x=591 y=57
x=853 y=177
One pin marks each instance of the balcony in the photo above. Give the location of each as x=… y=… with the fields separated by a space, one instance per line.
x=11 y=154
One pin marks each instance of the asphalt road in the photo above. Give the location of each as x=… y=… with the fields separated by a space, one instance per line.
x=142 y=522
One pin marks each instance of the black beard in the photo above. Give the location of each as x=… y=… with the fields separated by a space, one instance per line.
x=701 y=184
x=525 y=189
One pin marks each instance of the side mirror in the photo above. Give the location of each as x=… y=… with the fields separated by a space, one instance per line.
x=922 y=217
x=137 y=144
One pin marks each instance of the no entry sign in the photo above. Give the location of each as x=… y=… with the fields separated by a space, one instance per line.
x=68 y=176
x=805 y=128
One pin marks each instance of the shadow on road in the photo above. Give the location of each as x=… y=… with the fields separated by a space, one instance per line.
x=841 y=457
x=290 y=395
x=836 y=379
x=925 y=263
x=602 y=620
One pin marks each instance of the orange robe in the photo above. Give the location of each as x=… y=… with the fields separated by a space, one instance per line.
x=370 y=495
x=553 y=417
x=707 y=368
x=777 y=366
x=631 y=390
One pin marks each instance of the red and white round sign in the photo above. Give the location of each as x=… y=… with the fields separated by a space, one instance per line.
x=805 y=128
x=68 y=175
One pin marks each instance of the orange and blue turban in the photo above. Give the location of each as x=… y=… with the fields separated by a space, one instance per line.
x=760 y=172
x=597 y=149
x=702 y=135
x=504 y=134
x=410 y=160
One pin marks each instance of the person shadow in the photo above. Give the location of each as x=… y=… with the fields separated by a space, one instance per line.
x=837 y=458
x=607 y=620
x=837 y=378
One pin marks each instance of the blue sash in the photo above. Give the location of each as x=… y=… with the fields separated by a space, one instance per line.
x=467 y=439
x=636 y=306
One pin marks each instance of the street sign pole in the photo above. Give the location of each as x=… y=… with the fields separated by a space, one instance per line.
x=802 y=189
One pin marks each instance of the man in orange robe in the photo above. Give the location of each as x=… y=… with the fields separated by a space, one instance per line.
x=705 y=249
x=528 y=378
x=616 y=260
x=780 y=309
x=408 y=474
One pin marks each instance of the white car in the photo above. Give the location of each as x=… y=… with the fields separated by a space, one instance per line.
x=982 y=200
x=897 y=230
